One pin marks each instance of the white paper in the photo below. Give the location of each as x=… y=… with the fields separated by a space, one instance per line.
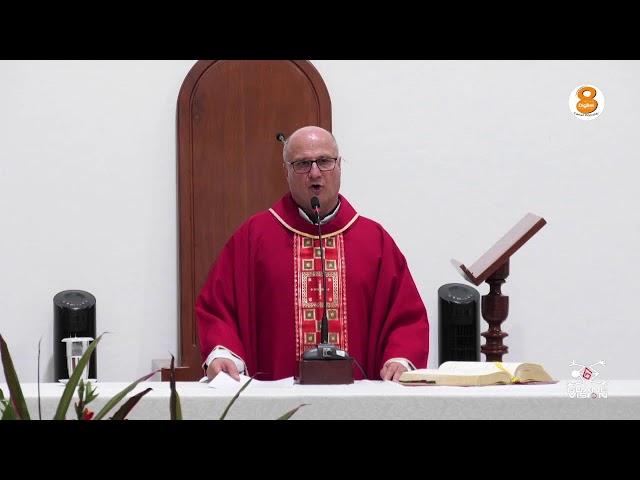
x=224 y=381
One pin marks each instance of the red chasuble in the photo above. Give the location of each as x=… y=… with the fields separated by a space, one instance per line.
x=263 y=298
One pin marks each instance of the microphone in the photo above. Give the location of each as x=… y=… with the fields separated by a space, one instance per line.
x=315 y=206
x=280 y=137
x=324 y=328
x=325 y=350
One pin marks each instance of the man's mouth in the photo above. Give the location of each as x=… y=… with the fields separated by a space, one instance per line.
x=316 y=188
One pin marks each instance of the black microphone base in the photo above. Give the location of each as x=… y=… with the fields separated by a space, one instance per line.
x=325 y=351
x=325 y=372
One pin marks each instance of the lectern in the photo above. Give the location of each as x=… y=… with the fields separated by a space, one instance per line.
x=493 y=267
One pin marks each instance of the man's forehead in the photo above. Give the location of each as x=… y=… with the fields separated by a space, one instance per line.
x=312 y=146
x=312 y=155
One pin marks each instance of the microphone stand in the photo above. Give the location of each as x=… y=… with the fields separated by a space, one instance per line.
x=326 y=364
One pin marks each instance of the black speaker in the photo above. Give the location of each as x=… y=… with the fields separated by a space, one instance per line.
x=458 y=323
x=74 y=315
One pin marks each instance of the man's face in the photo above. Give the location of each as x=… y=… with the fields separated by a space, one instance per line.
x=325 y=185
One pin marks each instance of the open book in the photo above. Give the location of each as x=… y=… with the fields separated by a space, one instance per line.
x=468 y=374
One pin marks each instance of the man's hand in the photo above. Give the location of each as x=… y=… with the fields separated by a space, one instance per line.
x=392 y=371
x=222 y=365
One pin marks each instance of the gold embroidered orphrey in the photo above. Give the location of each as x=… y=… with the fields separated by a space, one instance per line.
x=308 y=294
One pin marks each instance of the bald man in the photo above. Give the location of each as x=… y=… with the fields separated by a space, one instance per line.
x=261 y=306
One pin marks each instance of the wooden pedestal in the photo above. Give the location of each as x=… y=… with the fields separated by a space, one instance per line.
x=325 y=372
x=495 y=308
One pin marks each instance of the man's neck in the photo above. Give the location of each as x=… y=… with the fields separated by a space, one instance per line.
x=310 y=215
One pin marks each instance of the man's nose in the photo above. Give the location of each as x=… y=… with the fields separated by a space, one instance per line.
x=315 y=171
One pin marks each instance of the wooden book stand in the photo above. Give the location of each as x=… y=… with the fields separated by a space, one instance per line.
x=493 y=267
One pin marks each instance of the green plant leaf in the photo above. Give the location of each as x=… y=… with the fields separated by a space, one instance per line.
x=65 y=400
x=124 y=410
x=175 y=410
x=6 y=408
x=235 y=397
x=178 y=410
x=120 y=395
x=8 y=413
x=15 y=392
x=81 y=400
x=81 y=385
x=90 y=394
x=290 y=413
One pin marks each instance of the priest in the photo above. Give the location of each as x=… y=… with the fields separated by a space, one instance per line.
x=262 y=303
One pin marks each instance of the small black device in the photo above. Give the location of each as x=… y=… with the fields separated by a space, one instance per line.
x=458 y=323
x=74 y=315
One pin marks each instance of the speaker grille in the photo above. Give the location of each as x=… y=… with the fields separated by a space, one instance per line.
x=461 y=342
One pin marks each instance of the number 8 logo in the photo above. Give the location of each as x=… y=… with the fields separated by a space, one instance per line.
x=587 y=102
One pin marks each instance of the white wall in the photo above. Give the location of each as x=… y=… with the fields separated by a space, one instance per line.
x=447 y=155
x=88 y=197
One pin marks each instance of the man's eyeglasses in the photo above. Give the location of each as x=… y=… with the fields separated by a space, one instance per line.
x=304 y=166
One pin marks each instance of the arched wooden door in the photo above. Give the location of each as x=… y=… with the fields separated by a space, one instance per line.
x=230 y=163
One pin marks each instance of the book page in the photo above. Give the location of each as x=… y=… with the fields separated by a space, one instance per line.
x=423 y=374
x=420 y=375
x=475 y=368
x=425 y=371
x=532 y=372
x=511 y=367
